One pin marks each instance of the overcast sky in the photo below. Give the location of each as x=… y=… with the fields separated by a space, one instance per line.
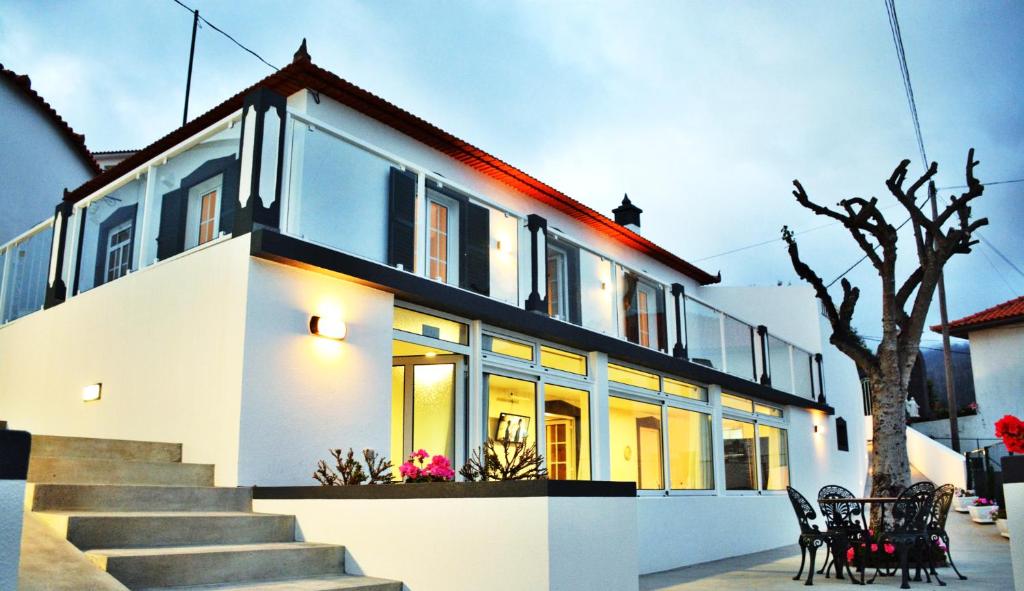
x=703 y=113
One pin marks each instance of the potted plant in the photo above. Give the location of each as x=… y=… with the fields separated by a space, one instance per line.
x=983 y=510
x=963 y=499
x=417 y=469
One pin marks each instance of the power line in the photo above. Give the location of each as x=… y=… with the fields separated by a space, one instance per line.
x=897 y=39
x=222 y=32
x=983 y=184
x=928 y=348
x=1001 y=276
x=1000 y=253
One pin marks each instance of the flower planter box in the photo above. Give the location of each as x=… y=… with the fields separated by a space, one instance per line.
x=982 y=515
x=961 y=504
x=1004 y=528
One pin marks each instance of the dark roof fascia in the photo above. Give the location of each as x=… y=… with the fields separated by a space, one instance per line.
x=294 y=252
x=304 y=74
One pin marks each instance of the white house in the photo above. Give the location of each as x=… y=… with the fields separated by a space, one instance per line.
x=40 y=156
x=465 y=301
x=997 y=351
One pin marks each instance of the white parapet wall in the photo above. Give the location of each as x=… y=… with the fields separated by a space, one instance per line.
x=937 y=462
x=14 y=448
x=165 y=342
x=497 y=536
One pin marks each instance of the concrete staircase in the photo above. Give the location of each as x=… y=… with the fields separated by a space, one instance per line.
x=153 y=522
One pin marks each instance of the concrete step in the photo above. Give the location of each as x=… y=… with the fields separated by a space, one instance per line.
x=101 y=497
x=328 y=583
x=56 y=446
x=204 y=565
x=88 y=531
x=100 y=471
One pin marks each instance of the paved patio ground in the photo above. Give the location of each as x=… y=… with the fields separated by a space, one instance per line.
x=979 y=551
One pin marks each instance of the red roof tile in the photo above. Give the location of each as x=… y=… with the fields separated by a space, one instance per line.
x=76 y=140
x=302 y=73
x=1006 y=313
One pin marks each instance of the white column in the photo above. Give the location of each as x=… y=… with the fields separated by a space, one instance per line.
x=600 y=453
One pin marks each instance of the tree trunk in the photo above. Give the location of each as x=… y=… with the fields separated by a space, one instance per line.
x=890 y=466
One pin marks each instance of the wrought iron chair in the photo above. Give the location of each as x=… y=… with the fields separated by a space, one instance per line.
x=937 y=522
x=841 y=518
x=811 y=536
x=910 y=517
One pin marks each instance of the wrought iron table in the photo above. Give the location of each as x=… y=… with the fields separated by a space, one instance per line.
x=863 y=502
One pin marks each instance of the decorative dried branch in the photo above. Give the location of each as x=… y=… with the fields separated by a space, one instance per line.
x=497 y=460
x=378 y=466
x=349 y=471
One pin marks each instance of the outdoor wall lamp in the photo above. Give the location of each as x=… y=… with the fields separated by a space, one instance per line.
x=329 y=328
x=92 y=392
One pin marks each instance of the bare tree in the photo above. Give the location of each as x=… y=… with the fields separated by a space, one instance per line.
x=904 y=304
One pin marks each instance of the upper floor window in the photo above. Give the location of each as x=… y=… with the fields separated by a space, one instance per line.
x=119 y=245
x=643 y=312
x=442 y=237
x=203 y=211
x=557 y=282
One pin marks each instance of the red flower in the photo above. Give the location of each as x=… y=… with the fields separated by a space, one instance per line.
x=1011 y=430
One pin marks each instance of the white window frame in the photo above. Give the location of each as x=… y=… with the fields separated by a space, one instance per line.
x=123 y=250
x=561 y=268
x=436 y=197
x=757 y=420
x=194 y=209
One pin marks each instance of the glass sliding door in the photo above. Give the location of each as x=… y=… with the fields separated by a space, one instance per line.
x=740 y=469
x=424 y=394
x=567 y=432
x=511 y=410
x=774 y=457
x=689 y=448
x=634 y=434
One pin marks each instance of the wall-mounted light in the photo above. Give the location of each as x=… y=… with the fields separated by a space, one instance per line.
x=329 y=328
x=498 y=246
x=815 y=428
x=92 y=392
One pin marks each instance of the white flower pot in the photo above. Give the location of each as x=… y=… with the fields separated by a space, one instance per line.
x=1004 y=527
x=961 y=504
x=982 y=514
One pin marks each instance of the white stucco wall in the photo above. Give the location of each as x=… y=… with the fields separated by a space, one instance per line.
x=165 y=342
x=997 y=361
x=304 y=394
x=36 y=164
x=468 y=544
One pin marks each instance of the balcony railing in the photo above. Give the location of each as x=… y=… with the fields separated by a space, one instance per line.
x=24 y=262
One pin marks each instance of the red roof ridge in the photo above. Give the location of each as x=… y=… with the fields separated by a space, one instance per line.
x=77 y=140
x=1007 y=312
x=303 y=73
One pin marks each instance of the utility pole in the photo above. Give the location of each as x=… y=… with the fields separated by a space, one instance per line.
x=947 y=354
x=191 y=56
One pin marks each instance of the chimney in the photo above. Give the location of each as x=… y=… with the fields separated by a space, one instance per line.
x=628 y=215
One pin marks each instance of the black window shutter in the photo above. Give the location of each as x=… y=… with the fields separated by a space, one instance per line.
x=572 y=266
x=630 y=307
x=173 y=209
x=402 y=219
x=229 y=196
x=474 y=245
x=118 y=217
x=662 y=321
x=842 y=435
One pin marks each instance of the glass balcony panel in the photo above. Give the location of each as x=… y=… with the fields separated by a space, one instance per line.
x=703 y=334
x=596 y=293
x=111 y=238
x=739 y=348
x=338 y=193
x=504 y=257
x=778 y=357
x=195 y=196
x=28 y=263
x=802 y=377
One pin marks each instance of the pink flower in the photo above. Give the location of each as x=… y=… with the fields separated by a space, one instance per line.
x=940 y=544
x=874 y=547
x=849 y=554
x=420 y=454
x=889 y=548
x=408 y=470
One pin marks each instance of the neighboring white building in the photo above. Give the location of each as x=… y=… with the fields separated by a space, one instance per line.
x=471 y=301
x=997 y=361
x=108 y=158
x=40 y=156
